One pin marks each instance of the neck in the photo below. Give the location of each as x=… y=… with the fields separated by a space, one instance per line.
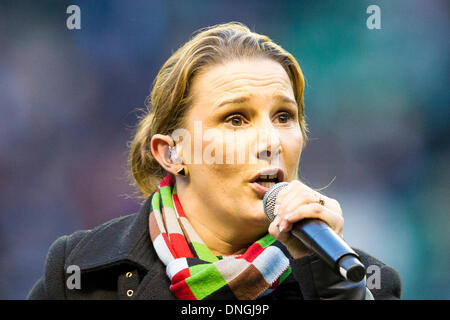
x=220 y=234
x=220 y=243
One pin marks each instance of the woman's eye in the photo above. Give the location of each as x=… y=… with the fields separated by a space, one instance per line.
x=236 y=121
x=284 y=117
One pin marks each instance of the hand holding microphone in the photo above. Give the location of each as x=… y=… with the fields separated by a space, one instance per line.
x=306 y=221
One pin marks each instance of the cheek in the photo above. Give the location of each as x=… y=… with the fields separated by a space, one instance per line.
x=237 y=146
x=292 y=144
x=216 y=180
x=228 y=148
x=221 y=161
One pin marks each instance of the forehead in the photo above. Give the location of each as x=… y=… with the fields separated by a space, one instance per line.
x=255 y=76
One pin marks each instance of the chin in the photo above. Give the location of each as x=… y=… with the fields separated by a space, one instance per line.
x=258 y=219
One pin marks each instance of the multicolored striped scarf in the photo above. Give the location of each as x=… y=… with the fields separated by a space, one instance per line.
x=195 y=272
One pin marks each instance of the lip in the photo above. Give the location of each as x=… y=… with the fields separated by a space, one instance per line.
x=261 y=190
x=270 y=171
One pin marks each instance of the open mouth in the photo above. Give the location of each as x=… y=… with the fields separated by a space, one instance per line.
x=266 y=179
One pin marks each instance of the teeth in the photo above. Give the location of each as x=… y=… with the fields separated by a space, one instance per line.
x=268 y=177
x=267 y=184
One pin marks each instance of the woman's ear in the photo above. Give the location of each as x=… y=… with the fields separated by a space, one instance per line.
x=159 y=146
x=163 y=150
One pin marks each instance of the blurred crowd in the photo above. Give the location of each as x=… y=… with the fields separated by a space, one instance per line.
x=377 y=105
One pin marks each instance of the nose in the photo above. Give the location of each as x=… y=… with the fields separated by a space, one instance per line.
x=269 y=153
x=269 y=144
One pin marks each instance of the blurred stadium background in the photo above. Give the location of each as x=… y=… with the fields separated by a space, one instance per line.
x=377 y=104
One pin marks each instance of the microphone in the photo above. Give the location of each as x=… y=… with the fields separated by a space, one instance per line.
x=321 y=239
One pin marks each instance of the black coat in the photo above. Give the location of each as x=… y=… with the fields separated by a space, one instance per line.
x=117 y=261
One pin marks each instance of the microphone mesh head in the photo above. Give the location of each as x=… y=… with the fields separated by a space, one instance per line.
x=269 y=199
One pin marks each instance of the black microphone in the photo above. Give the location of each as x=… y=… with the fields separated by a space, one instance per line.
x=321 y=239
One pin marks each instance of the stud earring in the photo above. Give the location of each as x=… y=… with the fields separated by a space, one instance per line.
x=182 y=172
x=174 y=158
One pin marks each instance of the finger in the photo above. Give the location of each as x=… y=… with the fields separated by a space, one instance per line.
x=284 y=192
x=333 y=205
x=277 y=232
x=285 y=225
x=299 y=198
x=315 y=210
x=292 y=201
x=297 y=194
x=329 y=203
x=282 y=225
x=294 y=195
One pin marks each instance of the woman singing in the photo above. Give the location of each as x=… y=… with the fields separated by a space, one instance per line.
x=225 y=122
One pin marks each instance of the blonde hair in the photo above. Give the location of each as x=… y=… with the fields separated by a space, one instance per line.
x=170 y=98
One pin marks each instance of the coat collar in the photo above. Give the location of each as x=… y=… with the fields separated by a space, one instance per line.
x=121 y=240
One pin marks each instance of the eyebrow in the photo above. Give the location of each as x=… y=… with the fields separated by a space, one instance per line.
x=243 y=99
